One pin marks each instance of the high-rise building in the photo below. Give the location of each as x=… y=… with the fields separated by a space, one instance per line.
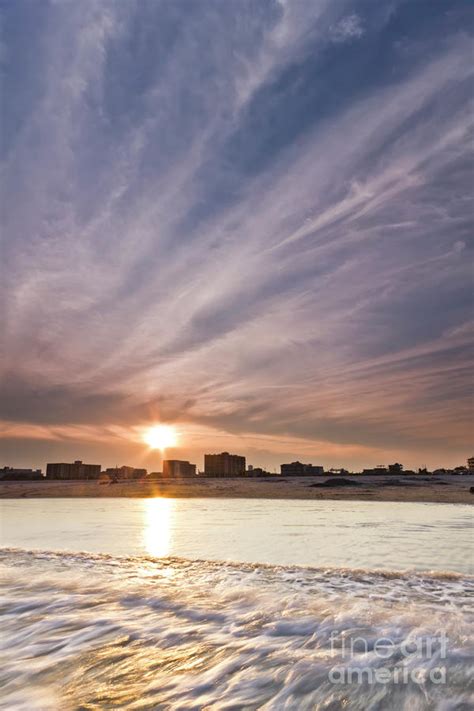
x=177 y=468
x=224 y=464
x=76 y=470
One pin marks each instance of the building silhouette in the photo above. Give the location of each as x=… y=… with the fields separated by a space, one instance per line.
x=257 y=471
x=224 y=464
x=380 y=469
x=299 y=469
x=125 y=473
x=12 y=474
x=176 y=468
x=74 y=470
x=395 y=468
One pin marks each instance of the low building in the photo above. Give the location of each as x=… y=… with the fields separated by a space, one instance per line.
x=376 y=471
x=457 y=471
x=395 y=468
x=175 y=468
x=257 y=471
x=470 y=464
x=125 y=473
x=300 y=469
x=74 y=470
x=12 y=474
x=224 y=464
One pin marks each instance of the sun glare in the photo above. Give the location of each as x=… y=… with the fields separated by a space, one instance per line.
x=160 y=436
x=158 y=525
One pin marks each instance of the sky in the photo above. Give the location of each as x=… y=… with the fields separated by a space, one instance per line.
x=249 y=219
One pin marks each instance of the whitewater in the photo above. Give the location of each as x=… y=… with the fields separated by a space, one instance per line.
x=98 y=631
x=177 y=605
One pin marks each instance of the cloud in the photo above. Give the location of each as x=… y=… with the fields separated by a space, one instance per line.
x=349 y=28
x=239 y=217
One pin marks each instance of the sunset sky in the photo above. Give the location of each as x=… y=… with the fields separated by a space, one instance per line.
x=248 y=219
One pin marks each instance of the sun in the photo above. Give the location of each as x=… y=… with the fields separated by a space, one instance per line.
x=160 y=436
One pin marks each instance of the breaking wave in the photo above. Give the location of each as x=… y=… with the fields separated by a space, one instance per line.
x=93 y=631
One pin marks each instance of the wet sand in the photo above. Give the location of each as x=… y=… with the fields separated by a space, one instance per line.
x=447 y=489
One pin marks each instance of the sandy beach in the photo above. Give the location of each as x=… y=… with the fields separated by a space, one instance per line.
x=447 y=489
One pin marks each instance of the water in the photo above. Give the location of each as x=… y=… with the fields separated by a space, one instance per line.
x=354 y=534
x=233 y=604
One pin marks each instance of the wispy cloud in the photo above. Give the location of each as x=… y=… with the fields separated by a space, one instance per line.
x=251 y=217
x=348 y=28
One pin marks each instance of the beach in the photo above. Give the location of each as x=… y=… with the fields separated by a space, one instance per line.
x=429 y=489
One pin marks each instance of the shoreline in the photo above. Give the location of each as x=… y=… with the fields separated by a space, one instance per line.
x=439 y=490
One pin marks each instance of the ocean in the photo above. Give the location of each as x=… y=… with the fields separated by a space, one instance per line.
x=234 y=604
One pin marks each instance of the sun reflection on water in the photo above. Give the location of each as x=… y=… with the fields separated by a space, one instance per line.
x=158 y=517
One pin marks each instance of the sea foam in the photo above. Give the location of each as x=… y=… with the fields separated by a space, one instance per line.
x=96 y=631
